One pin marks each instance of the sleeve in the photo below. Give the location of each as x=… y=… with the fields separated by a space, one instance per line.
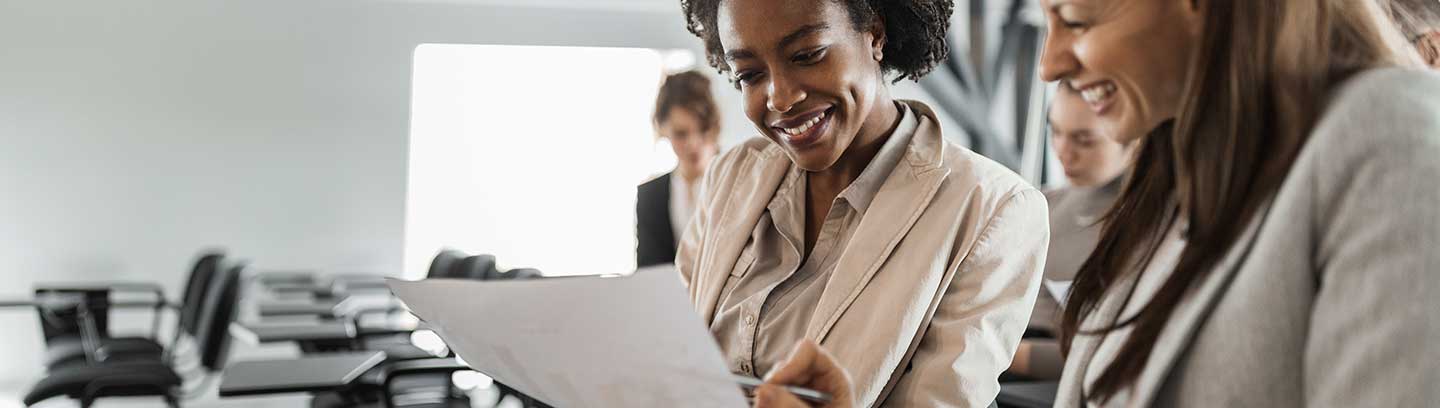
x=1376 y=313
x=982 y=315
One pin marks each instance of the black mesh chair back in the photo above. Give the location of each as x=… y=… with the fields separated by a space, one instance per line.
x=444 y=262
x=478 y=267
x=521 y=273
x=65 y=323
x=195 y=290
x=216 y=314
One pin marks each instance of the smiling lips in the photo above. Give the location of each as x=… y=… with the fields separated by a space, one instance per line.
x=803 y=130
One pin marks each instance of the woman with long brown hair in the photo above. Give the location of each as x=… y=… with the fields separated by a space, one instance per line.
x=1276 y=244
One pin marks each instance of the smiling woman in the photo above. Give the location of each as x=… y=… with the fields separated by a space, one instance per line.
x=850 y=223
x=1268 y=249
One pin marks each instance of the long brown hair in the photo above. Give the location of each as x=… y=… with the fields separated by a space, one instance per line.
x=1259 y=79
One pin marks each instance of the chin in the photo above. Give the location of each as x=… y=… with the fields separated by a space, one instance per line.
x=1126 y=131
x=813 y=165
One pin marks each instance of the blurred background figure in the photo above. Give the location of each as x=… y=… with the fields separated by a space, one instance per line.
x=687 y=116
x=1419 y=20
x=1094 y=162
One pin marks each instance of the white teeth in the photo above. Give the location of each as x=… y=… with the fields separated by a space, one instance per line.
x=804 y=127
x=1097 y=93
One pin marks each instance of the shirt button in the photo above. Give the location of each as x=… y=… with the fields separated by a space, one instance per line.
x=745 y=368
x=749 y=320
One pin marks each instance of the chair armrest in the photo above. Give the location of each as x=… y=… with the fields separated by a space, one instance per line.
x=291 y=308
x=53 y=296
x=258 y=333
x=392 y=369
x=268 y=278
x=111 y=286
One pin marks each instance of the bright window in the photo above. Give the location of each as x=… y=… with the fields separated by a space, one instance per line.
x=531 y=154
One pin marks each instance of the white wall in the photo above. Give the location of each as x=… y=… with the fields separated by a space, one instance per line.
x=133 y=133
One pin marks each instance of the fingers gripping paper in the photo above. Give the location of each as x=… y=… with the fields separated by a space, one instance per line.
x=630 y=341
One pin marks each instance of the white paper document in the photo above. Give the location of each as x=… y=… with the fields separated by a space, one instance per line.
x=1058 y=290
x=632 y=341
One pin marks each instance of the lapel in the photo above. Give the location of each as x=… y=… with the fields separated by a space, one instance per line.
x=898 y=204
x=758 y=178
x=663 y=201
x=1180 y=330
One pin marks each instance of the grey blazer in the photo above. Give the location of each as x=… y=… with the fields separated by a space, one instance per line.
x=1332 y=297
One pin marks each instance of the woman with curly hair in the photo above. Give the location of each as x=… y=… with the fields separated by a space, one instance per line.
x=850 y=226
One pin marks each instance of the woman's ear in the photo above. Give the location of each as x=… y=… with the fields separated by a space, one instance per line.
x=1193 y=14
x=1429 y=46
x=877 y=39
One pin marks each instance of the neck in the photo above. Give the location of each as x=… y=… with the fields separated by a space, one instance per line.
x=876 y=129
x=692 y=172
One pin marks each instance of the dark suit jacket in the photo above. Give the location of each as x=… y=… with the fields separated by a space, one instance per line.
x=652 y=223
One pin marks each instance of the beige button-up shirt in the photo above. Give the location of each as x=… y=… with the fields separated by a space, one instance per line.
x=771 y=294
x=925 y=302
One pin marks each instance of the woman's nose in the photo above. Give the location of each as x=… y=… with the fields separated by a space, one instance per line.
x=1057 y=62
x=784 y=94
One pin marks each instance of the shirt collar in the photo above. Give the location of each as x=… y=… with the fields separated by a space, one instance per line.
x=862 y=191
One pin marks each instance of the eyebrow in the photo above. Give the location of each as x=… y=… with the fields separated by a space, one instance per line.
x=798 y=34
x=1057 y=4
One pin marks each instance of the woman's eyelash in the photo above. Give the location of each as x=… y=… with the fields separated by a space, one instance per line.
x=1073 y=24
x=810 y=56
x=744 y=77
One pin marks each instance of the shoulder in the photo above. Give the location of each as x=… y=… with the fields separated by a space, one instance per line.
x=977 y=174
x=970 y=174
x=741 y=160
x=753 y=148
x=1386 y=116
x=1378 y=138
x=1385 y=105
x=658 y=183
x=1054 y=195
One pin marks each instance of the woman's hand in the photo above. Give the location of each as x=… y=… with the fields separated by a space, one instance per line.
x=809 y=366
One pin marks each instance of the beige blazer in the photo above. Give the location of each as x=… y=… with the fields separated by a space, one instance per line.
x=933 y=292
x=1332 y=297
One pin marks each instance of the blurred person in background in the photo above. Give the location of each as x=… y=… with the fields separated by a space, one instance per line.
x=1419 y=20
x=1094 y=164
x=687 y=116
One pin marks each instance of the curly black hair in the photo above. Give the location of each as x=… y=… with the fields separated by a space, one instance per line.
x=914 y=31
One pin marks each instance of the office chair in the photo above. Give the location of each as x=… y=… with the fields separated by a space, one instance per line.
x=444 y=262
x=63 y=348
x=137 y=375
x=413 y=378
x=474 y=267
x=410 y=376
x=520 y=273
x=396 y=343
